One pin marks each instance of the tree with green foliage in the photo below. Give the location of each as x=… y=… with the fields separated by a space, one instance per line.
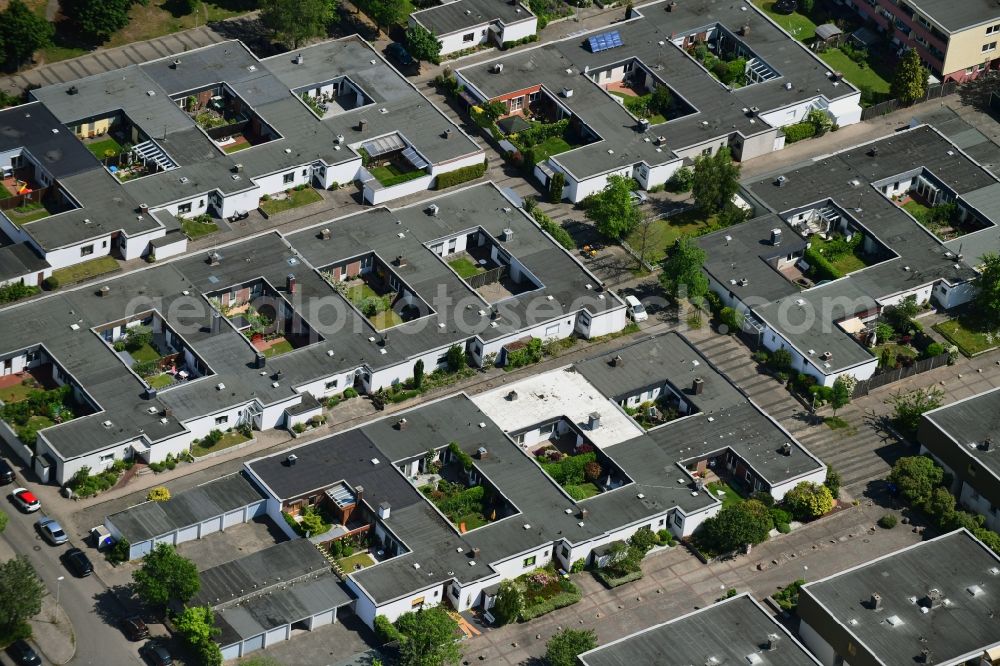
x=509 y=602
x=22 y=32
x=908 y=407
x=809 y=500
x=556 y=187
x=564 y=647
x=833 y=481
x=98 y=19
x=661 y=100
x=165 y=576
x=422 y=44
x=681 y=180
x=418 y=374
x=843 y=391
x=738 y=525
x=427 y=638
x=196 y=624
x=900 y=316
x=3 y=521
x=612 y=210
x=386 y=13
x=716 y=179
x=643 y=539
x=623 y=559
x=20 y=594
x=682 y=276
x=916 y=477
x=293 y=22
x=732 y=319
x=988 y=296
x=910 y=80
x=455 y=358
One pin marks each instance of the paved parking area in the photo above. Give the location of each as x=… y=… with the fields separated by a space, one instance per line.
x=347 y=643
x=233 y=543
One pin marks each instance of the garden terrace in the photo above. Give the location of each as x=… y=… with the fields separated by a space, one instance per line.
x=228 y=120
x=580 y=468
x=376 y=291
x=264 y=316
x=727 y=57
x=466 y=497
x=485 y=265
x=935 y=205
x=646 y=95
x=333 y=97
x=147 y=345
x=537 y=137
x=391 y=160
x=121 y=145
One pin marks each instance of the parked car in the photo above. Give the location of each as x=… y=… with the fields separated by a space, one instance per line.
x=134 y=628
x=156 y=654
x=78 y=562
x=398 y=52
x=52 y=531
x=23 y=654
x=6 y=472
x=26 y=500
x=635 y=309
x=638 y=197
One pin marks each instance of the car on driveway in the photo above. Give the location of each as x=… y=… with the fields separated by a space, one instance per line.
x=6 y=472
x=25 y=500
x=78 y=562
x=156 y=654
x=398 y=52
x=52 y=531
x=23 y=654
x=135 y=629
x=638 y=197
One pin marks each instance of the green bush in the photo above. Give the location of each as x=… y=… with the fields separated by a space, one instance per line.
x=934 y=349
x=384 y=629
x=551 y=227
x=16 y=291
x=19 y=632
x=526 y=355
x=350 y=393
x=798 y=132
x=821 y=267
x=788 y=596
x=609 y=581
x=887 y=522
x=556 y=187
x=666 y=537
x=51 y=283
x=561 y=600
x=578 y=566
x=118 y=552
x=459 y=176
x=463 y=458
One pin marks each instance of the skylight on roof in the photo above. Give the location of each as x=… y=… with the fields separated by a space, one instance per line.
x=605 y=41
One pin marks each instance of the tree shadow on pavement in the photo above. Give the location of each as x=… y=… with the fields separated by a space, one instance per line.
x=976 y=93
x=109 y=605
x=251 y=32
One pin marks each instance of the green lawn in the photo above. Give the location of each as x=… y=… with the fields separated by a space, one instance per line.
x=106 y=147
x=968 y=335
x=866 y=78
x=236 y=147
x=917 y=210
x=229 y=439
x=385 y=319
x=848 y=262
x=5 y=193
x=798 y=26
x=360 y=292
x=160 y=381
x=631 y=101
x=663 y=233
x=390 y=174
x=729 y=495
x=195 y=229
x=465 y=268
x=294 y=200
x=582 y=491
x=86 y=270
x=382 y=320
x=27 y=213
x=895 y=351
x=551 y=146
x=15 y=393
x=348 y=563
x=145 y=353
x=39 y=422
x=279 y=348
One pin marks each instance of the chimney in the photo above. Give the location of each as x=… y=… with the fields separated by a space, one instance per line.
x=876 y=601
x=291 y=459
x=401 y=424
x=593 y=421
x=474 y=553
x=290 y=285
x=150 y=393
x=987 y=444
x=299 y=59
x=359 y=492
x=216 y=326
x=433 y=209
x=362 y=125
x=582 y=514
x=237 y=168
x=512 y=396
x=384 y=510
x=772 y=641
x=617 y=361
x=642 y=125
x=105 y=290
x=72 y=90
x=143 y=208
x=482 y=453
x=925 y=656
x=698 y=385
x=745 y=30
x=780 y=181
x=214 y=258
x=786 y=449
x=447 y=133
x=324 y=234
x=776 y=237
x=167 y=412
x=259 y=361
x=176 y=64
x=400 y=261
x=671 y=6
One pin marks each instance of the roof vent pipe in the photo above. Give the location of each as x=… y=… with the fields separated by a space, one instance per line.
x=698 y=386
x=876 y=601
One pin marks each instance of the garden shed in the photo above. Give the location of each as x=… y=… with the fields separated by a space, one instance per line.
x=829 y=34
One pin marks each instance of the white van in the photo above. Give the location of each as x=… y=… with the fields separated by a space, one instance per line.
x=635 y=309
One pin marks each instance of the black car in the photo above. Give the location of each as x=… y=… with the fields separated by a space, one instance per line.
x=6 y=472
x=398 y=52
x=156 y=654
x=78 y=562
x=135 y=629
x=23 y=654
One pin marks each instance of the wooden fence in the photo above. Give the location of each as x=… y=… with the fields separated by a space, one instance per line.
x=933 y=92
x=862 y=388
x=489 y=277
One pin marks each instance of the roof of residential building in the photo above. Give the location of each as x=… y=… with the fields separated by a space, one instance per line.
x=729 y=631
x=958 y=16
x=461 y=14
x=938 y=594
x=20 y=259
x=647 y=38
x=970 y=422
x=190 y=507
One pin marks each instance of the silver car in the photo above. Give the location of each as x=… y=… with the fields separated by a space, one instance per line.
x=52 y=531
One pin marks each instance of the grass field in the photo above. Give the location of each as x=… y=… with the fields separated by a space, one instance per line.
x=848 y=262
x=228 y=440
x=465 y=268
x=236 y=147
x=27 y=214
x=160 y=381
x=729 y=496
x=895 y=352
x=106 y=147
x=551 y=146
x=86 y=270
x=294 y=200
x=15 y=393
x=390 y=174
x=278 y=348
x=631 y=100
x=663 y=233
x=145 y=353
x=917 y=210
x=969 y=335
x=361 y=559
x=798 y=26
x=862 y=77
x=5 y=193
x=195 y=229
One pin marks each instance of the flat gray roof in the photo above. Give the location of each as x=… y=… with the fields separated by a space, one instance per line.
x=461 y=14
x=970 y=422
x=190 y=507
x=896 y=634
x=728 y=631
x=957 y=16
x=569 y=63
x=20 y=259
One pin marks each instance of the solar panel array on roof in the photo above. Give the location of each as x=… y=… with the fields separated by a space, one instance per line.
x=605 y=41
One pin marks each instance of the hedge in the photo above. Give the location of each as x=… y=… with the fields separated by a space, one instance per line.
x=824 y=270
x=799 y=131
x=561 y=600
x=459 y=176
x=552 y=228
x=610 y=581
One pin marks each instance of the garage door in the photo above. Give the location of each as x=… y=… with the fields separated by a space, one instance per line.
x=251 y=644
x=320 y=619
x=167 y=539
x=137 y=550
x=257 y=510
x=233 y=518
x=277 y=635
x=231 y=652
x=187 y=534
x=210 y=526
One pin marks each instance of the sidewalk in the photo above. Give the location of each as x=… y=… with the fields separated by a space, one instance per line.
x=51 y=629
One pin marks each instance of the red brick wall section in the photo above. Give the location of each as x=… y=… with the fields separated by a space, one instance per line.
x=354 y=269
x=517 y=93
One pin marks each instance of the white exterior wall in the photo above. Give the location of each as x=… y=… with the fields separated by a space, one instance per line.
x=715 y=145
x=198 y=203
x=515 y=31
x=979 y=504
x=65 y=469
x=403 y=371
x=576 y=191
x=789 y=115
x=772 y=341
x=583 y=550
x=275 y=182
x=923 y=294
x=471 y=595
x=171 y=249
x=565 y=325
x=778 y=491
x=319 y=390
x=468 y=160
x=71 y=255
x=610 y=321
x=660 y=174
x=691 y=522
x=819 y=647
x=364 y=607
x=136 y=246
x=30 y=279
x=950 y=297
x=432 y=596
x=341 y=174
x=846 y=111
x=381 y=195
x=240 y=202
x=453 y=42
x=201 y=426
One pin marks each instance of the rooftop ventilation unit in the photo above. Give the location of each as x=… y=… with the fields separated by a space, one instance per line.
x=291 y=459
x=507 y=235
x=567 y=92
x=106 y=424
x=433 y=209
x=593 y=421
x=497 y=68
x=775 y=237
x=786 y=449
x=299 y=59
x=780 y=181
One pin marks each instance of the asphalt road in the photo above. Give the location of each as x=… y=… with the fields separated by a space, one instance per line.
x=91 y=607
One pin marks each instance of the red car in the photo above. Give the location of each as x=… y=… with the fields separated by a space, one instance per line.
x=26 y=500
x=135 y=629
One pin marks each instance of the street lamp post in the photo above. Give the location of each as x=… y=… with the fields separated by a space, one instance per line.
x=58 y=587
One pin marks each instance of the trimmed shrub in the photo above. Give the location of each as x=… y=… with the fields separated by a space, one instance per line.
x=561 y=600
x=823 y=269
x=578 y=566
x=459 y=176
x=609 y=581
x=385 y=630
x=887 y=522
x=798 y=132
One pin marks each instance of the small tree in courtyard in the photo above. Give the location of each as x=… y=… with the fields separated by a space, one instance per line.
x=716 y=180
x=422 y=43
x=564 y=647
x=612 y=210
